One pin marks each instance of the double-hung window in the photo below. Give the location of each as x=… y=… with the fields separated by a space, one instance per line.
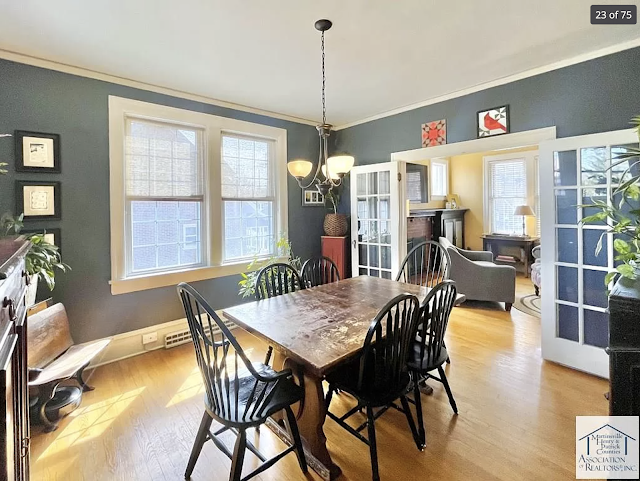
x=164 y=197
x=248 y=197
x=506 y=189
x=439 y=178
x=193 y=196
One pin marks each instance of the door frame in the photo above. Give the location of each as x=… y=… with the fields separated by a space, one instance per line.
x=591 y=359
x=485 y=144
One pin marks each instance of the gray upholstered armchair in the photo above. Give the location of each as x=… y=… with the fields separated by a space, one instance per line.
x=478 y=278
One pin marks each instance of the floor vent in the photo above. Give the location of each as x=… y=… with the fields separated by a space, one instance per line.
x=177 y=338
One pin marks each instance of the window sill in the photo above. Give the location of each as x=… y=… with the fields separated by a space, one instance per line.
x=173 y=278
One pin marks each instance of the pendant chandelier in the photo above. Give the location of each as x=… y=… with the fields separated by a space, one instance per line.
x=330 y=170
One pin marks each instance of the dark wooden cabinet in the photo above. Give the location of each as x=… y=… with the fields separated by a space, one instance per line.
x=624 y=348
x=14 y=434
x=337 y=249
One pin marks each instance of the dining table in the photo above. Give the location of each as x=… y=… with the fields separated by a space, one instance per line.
x=314 y=331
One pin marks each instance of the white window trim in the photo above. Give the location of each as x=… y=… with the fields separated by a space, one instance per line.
x=439 y=161
x=529 y=157
x=213 y=126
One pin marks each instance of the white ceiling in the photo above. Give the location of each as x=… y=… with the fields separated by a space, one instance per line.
x=381 y=54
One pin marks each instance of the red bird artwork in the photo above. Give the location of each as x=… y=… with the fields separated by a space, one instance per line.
x=492 y=124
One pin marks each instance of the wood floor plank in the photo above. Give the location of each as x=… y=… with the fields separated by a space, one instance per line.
x=516 y=421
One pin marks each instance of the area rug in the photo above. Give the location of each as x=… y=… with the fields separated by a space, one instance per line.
x=529 y=305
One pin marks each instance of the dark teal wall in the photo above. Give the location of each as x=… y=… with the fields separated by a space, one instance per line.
x=43 y=100
x=595 y=96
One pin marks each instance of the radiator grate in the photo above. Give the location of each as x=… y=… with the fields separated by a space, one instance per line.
x=177 y=338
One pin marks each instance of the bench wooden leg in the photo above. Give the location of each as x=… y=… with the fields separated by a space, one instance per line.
x=46 y=394
x=85 y=387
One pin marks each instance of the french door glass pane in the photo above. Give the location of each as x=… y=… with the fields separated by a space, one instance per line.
x=596 y=328
x=362 y=184
x=564 y=166
x=566 y=211
x=567 y=283
x=593 y=289
x=589 y=196
x=593 y=162
x=568 y=322
x=374 y=256
x=372 y=184
x=374 y=233
x=567 y=242
x=590 y=238
x=385 y=186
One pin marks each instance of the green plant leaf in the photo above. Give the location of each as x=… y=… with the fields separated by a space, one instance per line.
x=609 y=277
x=598 y=217
x=621 y=246
x=626 y=270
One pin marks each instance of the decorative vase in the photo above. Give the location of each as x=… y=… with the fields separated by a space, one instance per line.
x=335 y=225
x=32 y=290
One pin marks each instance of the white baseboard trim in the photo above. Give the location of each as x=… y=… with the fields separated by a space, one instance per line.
x=129 y=344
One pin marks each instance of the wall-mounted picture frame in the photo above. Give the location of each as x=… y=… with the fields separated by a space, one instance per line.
x=37 y=152
x=493 y=121
x=38 y=200
x=434 y=133
x=52 y=236
x=311 y=198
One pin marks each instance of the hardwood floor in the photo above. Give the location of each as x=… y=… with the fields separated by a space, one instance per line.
x=516 y=421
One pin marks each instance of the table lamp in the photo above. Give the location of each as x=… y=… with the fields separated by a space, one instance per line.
x=524 y=211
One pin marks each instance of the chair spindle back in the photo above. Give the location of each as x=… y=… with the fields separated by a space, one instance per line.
x=425 y=265
x=277 y=279
x=318 y=271
x=435 y=317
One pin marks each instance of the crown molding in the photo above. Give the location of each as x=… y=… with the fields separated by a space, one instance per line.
x=83 y=72
x=501 y=81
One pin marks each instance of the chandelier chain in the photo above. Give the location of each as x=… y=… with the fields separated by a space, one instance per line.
x=324 y=108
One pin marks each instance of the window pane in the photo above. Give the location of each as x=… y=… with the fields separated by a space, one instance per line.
x=246 y=171
x=248 y=229
x=508 y=189
x=593 y=165
x=590 y=238
x=566 y=211
x=568 y=322
x=567 y=283
x=596 y=328
x=567 y=241
x=162 y=160
x=594 y=288
x=164 y=235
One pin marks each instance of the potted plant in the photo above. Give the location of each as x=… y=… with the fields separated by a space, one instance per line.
x=41 y=262
x=335 y=225
x=283 y=250
x=622 y=212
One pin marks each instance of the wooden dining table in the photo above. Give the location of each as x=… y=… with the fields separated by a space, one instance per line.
x=314 y=331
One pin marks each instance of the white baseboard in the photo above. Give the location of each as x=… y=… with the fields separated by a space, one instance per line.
x=129 y=344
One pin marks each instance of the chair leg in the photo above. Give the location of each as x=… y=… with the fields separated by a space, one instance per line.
x=407 y=412
x=44 y=396
x=85 y=387
x=238 y=456
x=372 y=443
x=418 y=399
x=443 y=378
x=268 y=356
x=201 y=437
x=537 y=289
x=292 y=426
x=507 y=306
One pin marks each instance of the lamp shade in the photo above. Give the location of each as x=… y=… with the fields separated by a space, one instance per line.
x=523 y=210
x=340 y=164
x=299 y=168
x=334 y=176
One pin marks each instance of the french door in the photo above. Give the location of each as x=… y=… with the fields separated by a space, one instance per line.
x=575 y=171
x=376 y=211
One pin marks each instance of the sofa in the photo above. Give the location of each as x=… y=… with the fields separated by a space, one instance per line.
x=478 y=277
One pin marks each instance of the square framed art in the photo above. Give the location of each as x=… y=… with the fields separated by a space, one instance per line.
x=494 y=121
x=38 y=200
x=434 y=133
x=37 y=152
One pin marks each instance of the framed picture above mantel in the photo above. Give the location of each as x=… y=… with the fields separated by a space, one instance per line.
x=37 y=152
